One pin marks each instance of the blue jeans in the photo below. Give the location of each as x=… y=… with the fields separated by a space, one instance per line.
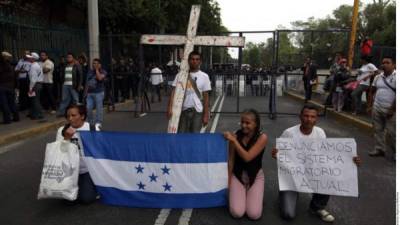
x=36 y=107
x=68 y=94
x=95 y=100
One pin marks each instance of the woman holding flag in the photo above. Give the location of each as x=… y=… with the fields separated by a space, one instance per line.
x=246 y=178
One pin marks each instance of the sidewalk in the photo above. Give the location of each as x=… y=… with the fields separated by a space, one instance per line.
x=27 y=128
x=362 y=121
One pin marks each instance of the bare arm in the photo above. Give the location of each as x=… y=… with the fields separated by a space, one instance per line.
x=170 y=103
x=253 y=152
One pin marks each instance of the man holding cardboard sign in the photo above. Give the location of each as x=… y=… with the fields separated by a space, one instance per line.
x=309 y=153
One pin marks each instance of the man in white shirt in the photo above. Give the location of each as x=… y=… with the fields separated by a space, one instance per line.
x=35 y=86
x=156 y=80
x=365 y=73
x=22 y=69
x=195 y=111
x=288 y=199
x=383 y=112
x=47 y=85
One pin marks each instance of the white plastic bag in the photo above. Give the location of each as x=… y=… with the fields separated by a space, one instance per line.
x=60 y=171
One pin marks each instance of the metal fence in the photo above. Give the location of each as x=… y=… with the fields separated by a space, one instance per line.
x=19 y=33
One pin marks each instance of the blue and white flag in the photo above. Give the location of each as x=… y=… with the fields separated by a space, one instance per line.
x=158 y=170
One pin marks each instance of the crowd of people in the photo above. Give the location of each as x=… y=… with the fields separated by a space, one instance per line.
x=37 y=85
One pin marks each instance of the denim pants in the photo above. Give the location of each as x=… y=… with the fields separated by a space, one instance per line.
x=190 y=121
x=36 y=107
x=7 y=104
x=288 y=202
x=95 y=100
x=307 y=88
x=69 y=95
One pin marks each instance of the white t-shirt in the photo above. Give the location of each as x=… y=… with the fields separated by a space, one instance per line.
x=384 y=96
x=364 y=71
x=48 y=77
x=23 y=65
x=203 y=84
x=156 y=76
x=85 y=127
x=295 y=132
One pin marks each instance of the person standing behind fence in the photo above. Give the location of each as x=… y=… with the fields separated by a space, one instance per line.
x=22 y=69
x=57 y=85
x=95 y=92
x=246 y=177
x=195 y=107
x=47 y=85
x=384 y=86
x=120 y=81
x=156 y=81
x=35 y=86
x=340 y=77
x=7 y=86
x=82 y=60
x=365 y=73
x=328 y=85
x=71 y=78
x=309 y=77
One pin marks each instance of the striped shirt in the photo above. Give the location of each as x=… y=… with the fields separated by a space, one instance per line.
x=68 y=75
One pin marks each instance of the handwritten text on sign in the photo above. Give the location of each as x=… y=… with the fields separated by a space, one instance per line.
x=322 y=166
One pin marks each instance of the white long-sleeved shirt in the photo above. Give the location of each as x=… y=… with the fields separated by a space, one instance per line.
x=35 y=75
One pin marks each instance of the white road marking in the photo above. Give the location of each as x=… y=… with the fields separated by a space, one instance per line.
x=186 y=213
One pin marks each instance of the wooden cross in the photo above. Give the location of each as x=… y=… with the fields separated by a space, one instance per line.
x=189 y=41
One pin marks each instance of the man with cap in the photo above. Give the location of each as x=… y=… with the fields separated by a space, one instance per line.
x=7 y=86
x=35 y=86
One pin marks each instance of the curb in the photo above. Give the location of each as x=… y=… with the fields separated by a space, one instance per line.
x=37 y=130
x=339 y=116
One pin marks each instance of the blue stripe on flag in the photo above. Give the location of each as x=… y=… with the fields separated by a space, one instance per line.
x=139 y=199
x=157 y=148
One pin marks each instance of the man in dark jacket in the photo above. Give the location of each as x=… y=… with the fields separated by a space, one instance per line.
x=309 y=77
x=71 y=79
x=7 y=86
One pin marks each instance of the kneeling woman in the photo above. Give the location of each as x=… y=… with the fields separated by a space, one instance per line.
x=246 y=178
x=76 y=116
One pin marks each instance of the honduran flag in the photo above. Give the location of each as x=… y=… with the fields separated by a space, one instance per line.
x=158 y=170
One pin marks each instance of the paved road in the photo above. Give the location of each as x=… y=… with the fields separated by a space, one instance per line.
x=20 y=169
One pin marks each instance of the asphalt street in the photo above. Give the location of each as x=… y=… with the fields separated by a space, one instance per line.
x=21 y=164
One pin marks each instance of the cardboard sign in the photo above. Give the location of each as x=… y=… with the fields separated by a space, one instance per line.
x=323 y=166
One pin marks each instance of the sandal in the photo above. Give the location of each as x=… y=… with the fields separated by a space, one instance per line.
x=324 y=215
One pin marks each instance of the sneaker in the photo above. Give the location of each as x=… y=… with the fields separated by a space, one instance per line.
x=52 y=112
x=376 y=153
x=98 y=126
x=324 y=215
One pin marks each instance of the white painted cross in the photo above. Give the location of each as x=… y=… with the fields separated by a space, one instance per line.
x=189 y=41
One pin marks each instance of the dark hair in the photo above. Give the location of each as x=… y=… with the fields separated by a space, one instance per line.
x=70 y=53
x=256 y=117
x=43 y=52
x=366 y=58
x=309 y=107
x=81 y=109
x=391 y=57
x=194 y=52
x=96 y=60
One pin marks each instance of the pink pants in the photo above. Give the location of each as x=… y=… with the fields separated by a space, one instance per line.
x=243 y=199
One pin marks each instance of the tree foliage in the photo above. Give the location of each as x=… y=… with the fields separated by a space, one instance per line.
x=376 y=20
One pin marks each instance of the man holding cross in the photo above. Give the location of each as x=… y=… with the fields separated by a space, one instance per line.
x=195 y=109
